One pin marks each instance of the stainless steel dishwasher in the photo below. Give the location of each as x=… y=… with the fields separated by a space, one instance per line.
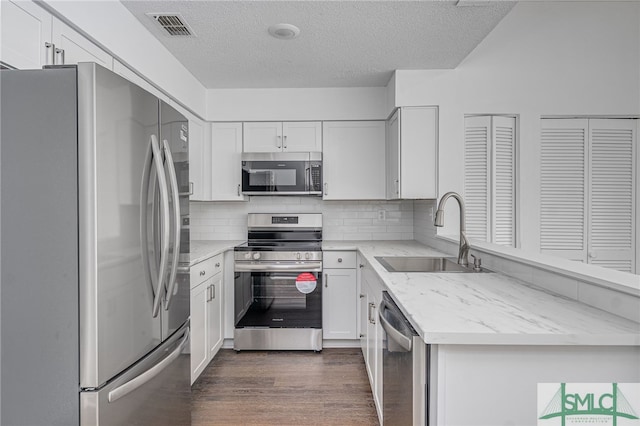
x=404 y=368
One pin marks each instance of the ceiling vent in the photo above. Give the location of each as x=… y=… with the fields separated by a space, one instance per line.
x=173 y=23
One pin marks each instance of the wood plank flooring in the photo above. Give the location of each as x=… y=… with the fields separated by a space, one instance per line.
x=284 y=388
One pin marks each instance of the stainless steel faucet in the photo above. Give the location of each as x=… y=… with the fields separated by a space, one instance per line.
x=463 y=252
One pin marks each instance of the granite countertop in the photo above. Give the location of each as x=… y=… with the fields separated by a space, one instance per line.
x=203 y=250
x=488 y=308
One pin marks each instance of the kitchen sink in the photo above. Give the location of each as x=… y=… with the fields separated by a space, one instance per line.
x=423 y=264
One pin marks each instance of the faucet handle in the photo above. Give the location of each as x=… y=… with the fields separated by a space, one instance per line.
x=477 y=263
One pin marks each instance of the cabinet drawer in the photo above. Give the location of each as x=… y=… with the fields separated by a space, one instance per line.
x=206 y=269
x=339 y=259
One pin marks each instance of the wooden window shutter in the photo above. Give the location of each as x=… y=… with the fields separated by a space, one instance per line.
x=562 y=188
x=477 y=177
x=612 y=189
x=489 y=180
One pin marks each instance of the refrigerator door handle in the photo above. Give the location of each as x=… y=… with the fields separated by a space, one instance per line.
x=143 y=378
x=144 y=235
x=164 y=197
x=176 y=224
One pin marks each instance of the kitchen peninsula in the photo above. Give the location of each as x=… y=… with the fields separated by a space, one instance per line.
x=493 y=338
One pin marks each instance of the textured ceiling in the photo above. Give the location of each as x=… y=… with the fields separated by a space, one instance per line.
x=341 y=43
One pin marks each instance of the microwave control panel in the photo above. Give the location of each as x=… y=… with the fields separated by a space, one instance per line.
x=316 y=177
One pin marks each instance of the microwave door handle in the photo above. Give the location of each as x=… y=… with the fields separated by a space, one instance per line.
x=309 y=179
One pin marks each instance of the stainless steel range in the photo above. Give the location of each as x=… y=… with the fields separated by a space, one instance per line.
x=278 y=283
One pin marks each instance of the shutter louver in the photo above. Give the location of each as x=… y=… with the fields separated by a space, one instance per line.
x=612 y=213
x=504 y=172
x=476 y=176
x=562 y=187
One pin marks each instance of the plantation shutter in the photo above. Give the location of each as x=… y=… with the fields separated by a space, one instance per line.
x=476 y=176
x=587 y=191
x=563 y=201
x=504 y=180
x=490 y=178
x=612 y=189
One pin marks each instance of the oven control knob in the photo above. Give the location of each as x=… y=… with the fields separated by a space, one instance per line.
x=256 y=256
x=298 y=256
x=307 y=256
x=247 y=256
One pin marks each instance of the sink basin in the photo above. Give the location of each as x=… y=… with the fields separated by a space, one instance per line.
x=422 y=264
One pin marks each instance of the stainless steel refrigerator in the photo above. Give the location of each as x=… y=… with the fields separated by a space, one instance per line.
x=95 y=245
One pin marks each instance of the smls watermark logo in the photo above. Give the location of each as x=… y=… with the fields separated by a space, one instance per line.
x=561 y=404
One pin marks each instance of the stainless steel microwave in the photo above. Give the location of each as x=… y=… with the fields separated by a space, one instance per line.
x=282 y=173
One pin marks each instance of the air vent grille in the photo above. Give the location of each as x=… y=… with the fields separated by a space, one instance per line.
x=173 y=23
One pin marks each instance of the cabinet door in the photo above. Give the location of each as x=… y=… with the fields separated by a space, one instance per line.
x=199 y=173
x=226 y=169
x=72 y=47
x=214 y=316
x=419 y=152
x=262 y=137
x=339 y=304
x=302 y=136
x=198 y=337
x=24 y=30
x=354 y=160
x=393 y=156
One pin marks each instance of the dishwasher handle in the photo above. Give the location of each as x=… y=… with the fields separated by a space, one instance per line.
x=402 y=340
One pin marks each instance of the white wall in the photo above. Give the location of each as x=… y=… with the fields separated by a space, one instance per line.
x=114 y=28
x=358 y=103
x=544 y=58
x=342 y=220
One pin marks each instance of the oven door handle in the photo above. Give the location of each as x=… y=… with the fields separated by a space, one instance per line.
x=276 y=267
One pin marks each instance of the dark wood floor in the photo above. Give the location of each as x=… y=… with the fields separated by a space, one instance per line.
x=284 y=388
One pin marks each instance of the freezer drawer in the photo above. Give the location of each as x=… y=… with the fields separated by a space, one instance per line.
x=154 y=391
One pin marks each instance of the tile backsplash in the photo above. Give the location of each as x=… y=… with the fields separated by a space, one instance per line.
x=342 y=220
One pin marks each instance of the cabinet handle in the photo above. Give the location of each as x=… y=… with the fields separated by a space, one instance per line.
x=362 y=296
x=59 y=56
x=326 y=280
x=190 y=188
x=279 y=144
x=208 y=294
x=217 y=264
x=339 y=260
x=361 y=265
x=326 y=188
x=361 y=336
x=213 y=291
x=372 y=320
x=397 y=183
x=238 y=190
x=50 y=52
x=202 y=273
x=285 y=142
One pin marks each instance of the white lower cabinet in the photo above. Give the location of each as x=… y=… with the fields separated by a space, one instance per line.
x=206 y=312
x=371 y=333
x=339 y=296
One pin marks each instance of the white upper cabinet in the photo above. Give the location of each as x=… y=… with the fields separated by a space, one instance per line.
x=225 y=158
x=25 y=29
x=353 y=159
x=199 y=175
x=294 y=136
x=71 y=47
x=32 y=38
x=412 y=153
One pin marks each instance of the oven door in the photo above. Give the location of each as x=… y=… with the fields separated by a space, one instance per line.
x=269 y=177
x=278 y=299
